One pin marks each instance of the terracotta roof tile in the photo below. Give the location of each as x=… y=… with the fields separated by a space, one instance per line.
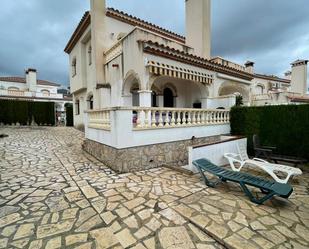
x=123 y=17
x=303 y=99
x=133 y=20
x=13 y=79
x=80 y=29
x=172 y=53
x=272 y=77
x=23 y=80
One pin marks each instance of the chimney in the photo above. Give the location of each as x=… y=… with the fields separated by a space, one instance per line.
x=249 y=67
x=299 y=77
x=98 y=36
x=198 y=27
x=31 y=79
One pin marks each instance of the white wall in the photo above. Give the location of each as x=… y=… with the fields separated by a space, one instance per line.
x=23 y=87
x=226 y=102
x=6 y=85
x=51 y=89
x=122 y=134
x=79 y=119
x=214 y=152
x=299 y=78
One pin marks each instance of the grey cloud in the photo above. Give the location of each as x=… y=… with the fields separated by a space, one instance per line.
x=272 y=33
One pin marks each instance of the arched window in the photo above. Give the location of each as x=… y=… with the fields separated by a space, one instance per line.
x=259 y=89
x=12 y=88
x=90 y=55
x=73 y=67
x=45 y=92
x=90 y=102
x=77 y=107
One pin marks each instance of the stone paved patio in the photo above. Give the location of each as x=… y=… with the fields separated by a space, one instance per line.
x=53 y=195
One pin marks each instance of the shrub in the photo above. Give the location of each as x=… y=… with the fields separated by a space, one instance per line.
x=22 y=112
x=239 y=100
x=285 y=127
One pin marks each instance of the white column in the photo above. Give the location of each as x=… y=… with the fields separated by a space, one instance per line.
x=99 y=37
x=160 y=100
x=145 y=98
x=204 y=103
x=104 y=97
x=127 y=100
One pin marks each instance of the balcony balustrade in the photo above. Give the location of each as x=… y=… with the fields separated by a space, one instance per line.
x=99 y=119
x=125 y=127
x=153 y=118
x=29 y=94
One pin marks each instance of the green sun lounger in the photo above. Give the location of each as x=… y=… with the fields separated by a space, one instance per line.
x=269 y=188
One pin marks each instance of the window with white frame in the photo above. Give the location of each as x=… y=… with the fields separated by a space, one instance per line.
x=74 y=67
x=90 y=102
x=89 y=55
x=77 y=107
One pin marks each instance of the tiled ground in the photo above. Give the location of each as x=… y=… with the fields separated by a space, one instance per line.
x=53 y=195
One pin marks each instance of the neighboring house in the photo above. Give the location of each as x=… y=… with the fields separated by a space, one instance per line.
x=30 y=88
x=138 y=78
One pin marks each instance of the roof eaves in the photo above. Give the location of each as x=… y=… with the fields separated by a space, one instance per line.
x=270 y=77
x=133 y=20
x=173 y=53
x=80 y=29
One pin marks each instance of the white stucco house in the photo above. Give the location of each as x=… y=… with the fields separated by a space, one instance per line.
x=29 y=88
x=137 y=85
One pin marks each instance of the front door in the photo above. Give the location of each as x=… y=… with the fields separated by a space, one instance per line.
x=168 y=98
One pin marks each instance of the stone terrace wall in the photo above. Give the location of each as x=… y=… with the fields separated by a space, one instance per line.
x=144 y=157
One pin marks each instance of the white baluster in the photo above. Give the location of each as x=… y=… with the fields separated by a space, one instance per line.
x=173 y=119
x=139 y=121
x=183 y=118
x=103 y=116
x=211 y=116
x=198 y=118
x=206 y=117
x=160 y=119
x=167 y=118
x=193 y=117
x=189 y=118
x=147 y=116
x=178 y=118
x=108 y=119
x=153 y=120
x=203 y=120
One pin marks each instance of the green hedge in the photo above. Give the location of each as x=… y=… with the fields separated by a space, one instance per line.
x=285 y=127
x=25 y=112
x=69 y=114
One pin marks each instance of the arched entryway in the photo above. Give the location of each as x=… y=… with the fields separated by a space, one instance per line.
x=131 y=89
x=168 y=97
x=233 y=88
x=135 y=94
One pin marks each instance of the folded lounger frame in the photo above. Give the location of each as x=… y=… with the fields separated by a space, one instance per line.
x=269 y=188
x=271 y=168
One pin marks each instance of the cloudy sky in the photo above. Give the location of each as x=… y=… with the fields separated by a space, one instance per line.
x=273 y=33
